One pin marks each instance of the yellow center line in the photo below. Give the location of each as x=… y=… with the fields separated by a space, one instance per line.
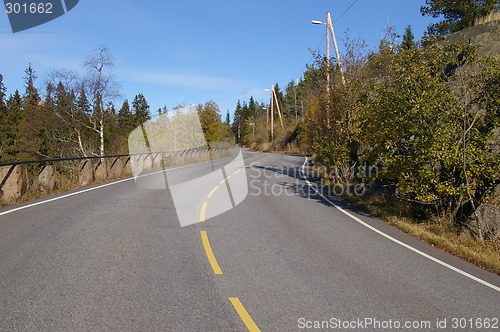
x=210 y=253
x=213 y=191
x=225 y=179
x=236 y=171
x=245 y=317
x=257 y=161
x=203 y=211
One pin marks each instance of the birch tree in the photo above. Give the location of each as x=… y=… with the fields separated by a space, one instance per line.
x=101 y=87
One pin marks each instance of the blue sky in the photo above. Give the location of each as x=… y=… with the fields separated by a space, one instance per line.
x=189 y=52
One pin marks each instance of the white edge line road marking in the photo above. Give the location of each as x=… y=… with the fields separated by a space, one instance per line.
x=470 y=276
x=98 y=187
x=64 y=196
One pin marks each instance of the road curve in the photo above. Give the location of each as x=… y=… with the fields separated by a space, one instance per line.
x=114 y=257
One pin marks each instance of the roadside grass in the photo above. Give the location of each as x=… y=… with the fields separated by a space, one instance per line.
x=288 y=148
x=438 y=231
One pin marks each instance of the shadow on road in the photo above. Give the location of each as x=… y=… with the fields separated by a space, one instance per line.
x=298 y=187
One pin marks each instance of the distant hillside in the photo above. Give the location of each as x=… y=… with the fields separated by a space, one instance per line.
x=486 y=36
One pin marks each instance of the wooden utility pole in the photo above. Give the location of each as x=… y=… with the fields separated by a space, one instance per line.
x=329 y=26
x=327 y=55
x=329 y=29
x=278 y=107
x=272 y=115
x=267 y=119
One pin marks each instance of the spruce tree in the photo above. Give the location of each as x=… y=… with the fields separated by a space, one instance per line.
x=31 y=96
x=82 y=103
x=408 y=39
x=126 y=120
x=11 y=124
x=140 y=109
x=238 y=119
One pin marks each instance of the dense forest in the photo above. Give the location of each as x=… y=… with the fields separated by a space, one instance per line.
x=76 y=116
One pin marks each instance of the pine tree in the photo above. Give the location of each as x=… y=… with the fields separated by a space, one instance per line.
x=82 y=103
x=252 y=107
x=408 y=39
x=83 y=133
x=211 y=123
x=49 y=96
x=279 y=94
x=63 y=102
x=112 y=137
x=55 y=129
x=140 y=109
x=291 y=99
x=14 y=106
x=11 y=128
x=30 y=123
x=126 y=120
x=457 y=14
x=237 y=121
x=31 y=97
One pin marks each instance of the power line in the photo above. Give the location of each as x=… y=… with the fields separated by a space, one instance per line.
x=317 y=49
x=312 y=57
x=352 y=4
x=321 y=42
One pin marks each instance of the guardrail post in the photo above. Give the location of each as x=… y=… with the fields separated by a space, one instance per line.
x=47 y=178
x=127 y=167
x=157 y=162
x=85 y=173
x=13 y=182
x=148 y=163
x=116 y=168
x=178 y=158
x=101 y=170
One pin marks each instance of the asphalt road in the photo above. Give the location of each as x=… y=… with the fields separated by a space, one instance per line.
x=114 y=257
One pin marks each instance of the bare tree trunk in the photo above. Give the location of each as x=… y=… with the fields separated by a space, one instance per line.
x=101 y=131
x=102 y=87
x=80 y=144
x=465 y=131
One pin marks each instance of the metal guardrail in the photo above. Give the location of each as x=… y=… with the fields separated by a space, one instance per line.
x=52 y=160
x=40 y=161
